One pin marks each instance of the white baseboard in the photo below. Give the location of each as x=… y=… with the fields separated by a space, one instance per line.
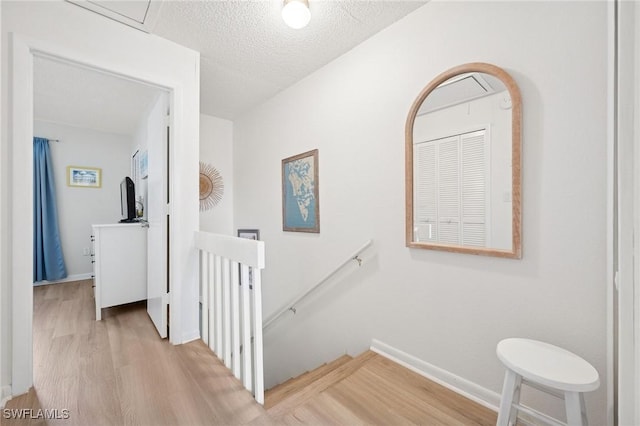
x=74 y=277
x=464 y=387
x=5 y=395
x=190 y=337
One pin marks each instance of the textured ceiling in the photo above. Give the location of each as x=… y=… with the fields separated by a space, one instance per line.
x=80 y=97
x=247 y=53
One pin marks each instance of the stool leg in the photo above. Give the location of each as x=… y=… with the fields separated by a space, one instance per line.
x=583 y=410
x=576 y=412
x=516 y=400
x=510 y=394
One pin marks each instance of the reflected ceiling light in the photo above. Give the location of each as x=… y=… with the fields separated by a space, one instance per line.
x=296 y=14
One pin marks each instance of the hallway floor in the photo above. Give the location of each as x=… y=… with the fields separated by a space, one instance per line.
x=119 y=372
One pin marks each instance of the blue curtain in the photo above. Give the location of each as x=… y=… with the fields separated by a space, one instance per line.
x=48 y=262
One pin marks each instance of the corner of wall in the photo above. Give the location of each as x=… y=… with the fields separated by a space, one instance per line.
x=464 y=387
x=191 y=336
x=470 y=390
x=2 y=203
x=5 y=395
x=216 y=149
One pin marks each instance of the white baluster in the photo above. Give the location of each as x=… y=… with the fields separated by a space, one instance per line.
x=232 y=313
x=218 y=302
x=257 y=338
x=247 y=373
x=226 y=285
x=235 y=326
x=212 y=311
x=204 y=297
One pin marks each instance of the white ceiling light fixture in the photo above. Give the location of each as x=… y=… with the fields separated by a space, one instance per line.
x=296 y=13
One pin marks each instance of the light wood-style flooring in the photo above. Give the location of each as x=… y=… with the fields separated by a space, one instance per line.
x=370 y=389
x=119 y=372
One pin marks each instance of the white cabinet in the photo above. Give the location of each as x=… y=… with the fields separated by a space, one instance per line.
x=120 y=264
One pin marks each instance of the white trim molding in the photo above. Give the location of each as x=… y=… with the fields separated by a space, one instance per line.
x=473 y=391
x=626 y=169
x=171 y=67
x=611 y=259
x=190 y=337
x=70 y=278
x=5 y=395
x=464 y=387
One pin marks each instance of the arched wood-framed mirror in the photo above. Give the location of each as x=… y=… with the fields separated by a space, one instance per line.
x=463 y=163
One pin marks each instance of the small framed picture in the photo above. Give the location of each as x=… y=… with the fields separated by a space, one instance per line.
x=144 y=165
x=85 y=177
x=251 y=234
x=300 y=204
x=135 y=167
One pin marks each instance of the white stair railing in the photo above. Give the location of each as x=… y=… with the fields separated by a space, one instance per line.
x=291 y=306
x=231 y=297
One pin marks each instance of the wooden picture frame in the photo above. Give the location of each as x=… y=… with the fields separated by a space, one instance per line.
x=300 y=195
x=84 y=177
x=512 y=192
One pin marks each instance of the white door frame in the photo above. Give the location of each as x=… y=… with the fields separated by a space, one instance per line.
x=4 y=392
x=20 y=107
x=627 y=127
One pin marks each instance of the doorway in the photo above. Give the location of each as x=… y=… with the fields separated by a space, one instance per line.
x=116 y=127
x=182 y=101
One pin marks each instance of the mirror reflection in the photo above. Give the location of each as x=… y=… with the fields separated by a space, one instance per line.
x=461 y=137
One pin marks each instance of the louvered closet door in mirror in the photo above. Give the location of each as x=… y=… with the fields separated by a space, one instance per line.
x=451 y=190
x=463 y=163
x=475 y=190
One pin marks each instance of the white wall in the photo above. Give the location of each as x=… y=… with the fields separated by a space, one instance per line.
x=65 y=30
x=447 y=309
x=79 y=208
x=151 y=126
x=216 y=149
x=139 y=145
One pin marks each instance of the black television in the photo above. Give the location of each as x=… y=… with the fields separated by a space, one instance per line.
x=127 y=200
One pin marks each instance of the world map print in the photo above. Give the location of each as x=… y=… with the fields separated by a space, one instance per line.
x=300 y=204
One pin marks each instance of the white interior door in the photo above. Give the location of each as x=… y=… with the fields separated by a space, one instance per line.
x=157 y=239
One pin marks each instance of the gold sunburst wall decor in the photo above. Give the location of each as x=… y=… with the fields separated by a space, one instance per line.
x=211 y=186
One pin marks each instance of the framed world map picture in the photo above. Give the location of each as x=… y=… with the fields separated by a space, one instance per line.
x=300 y=203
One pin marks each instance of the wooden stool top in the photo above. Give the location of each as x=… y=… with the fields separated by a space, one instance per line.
x=548 y=365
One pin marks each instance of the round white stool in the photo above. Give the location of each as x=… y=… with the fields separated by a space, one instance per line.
x=547 y=368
